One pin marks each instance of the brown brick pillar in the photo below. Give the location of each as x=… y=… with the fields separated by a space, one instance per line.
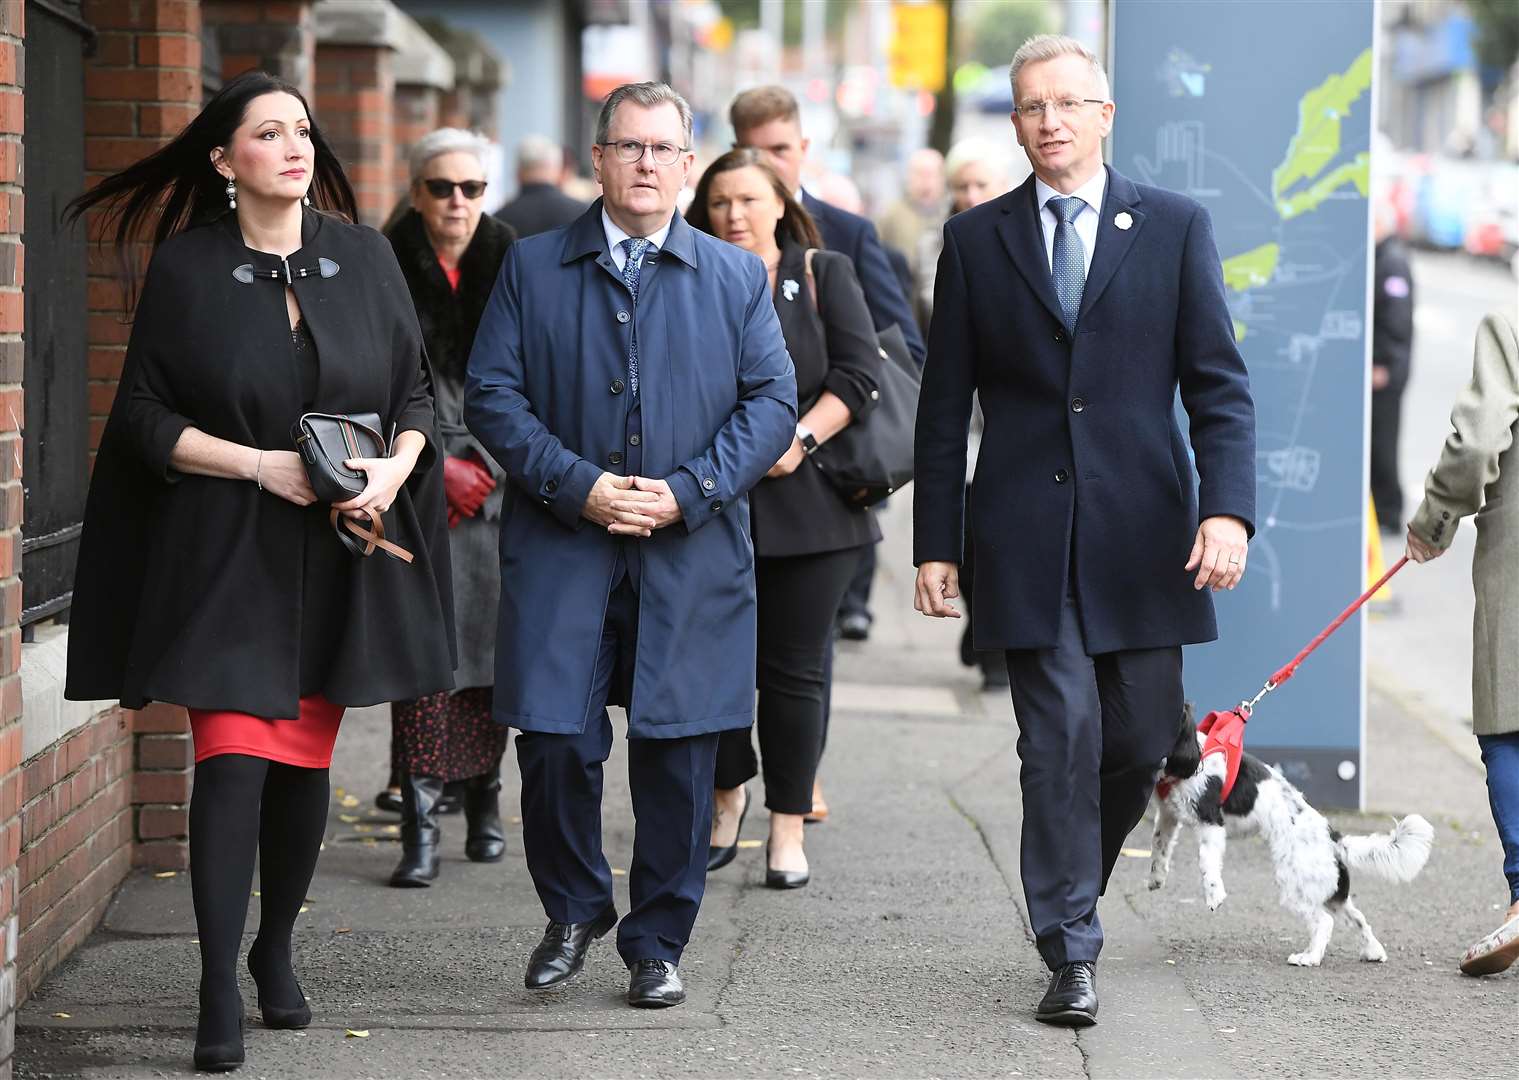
x=279 y=38
x=416 y=113
x=12 y=277
x=354 y=87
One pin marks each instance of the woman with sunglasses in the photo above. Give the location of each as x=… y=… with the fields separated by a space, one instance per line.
x=209 y=575
x=450 y=254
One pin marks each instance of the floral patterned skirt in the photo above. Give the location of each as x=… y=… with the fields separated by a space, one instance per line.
x=449 y=735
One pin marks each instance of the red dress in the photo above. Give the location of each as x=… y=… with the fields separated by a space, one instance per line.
x=306 y=741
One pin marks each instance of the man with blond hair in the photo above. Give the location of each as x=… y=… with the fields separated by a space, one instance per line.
x=1076 y=305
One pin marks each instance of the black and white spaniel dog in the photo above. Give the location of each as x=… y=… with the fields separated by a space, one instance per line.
x=1312 y=860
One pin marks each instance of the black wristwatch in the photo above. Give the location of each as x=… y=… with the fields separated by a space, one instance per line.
x=808 y=440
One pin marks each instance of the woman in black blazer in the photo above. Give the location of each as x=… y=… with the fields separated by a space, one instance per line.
x=807 y=540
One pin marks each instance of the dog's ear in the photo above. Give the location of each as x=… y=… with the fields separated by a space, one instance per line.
x=1188 y=714
x=1186 y=756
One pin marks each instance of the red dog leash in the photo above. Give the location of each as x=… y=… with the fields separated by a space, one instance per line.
x=1226 y=729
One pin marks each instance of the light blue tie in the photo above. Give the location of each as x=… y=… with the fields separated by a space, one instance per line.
x=1068 y=266
x=632 y=270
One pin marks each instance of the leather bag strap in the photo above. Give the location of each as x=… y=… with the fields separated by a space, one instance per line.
x=373 y=537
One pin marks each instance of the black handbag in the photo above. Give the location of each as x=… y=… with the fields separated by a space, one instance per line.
x=873 y=457
x=325 y=441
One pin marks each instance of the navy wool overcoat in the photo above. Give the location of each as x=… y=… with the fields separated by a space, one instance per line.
x=546 y=393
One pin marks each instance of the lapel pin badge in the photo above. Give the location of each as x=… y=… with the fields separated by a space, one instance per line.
x=789 y=289
x=1123 y=220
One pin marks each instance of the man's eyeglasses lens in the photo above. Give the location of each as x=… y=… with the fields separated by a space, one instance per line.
x=630 y=151
x=1065 y=106
x=442 y=189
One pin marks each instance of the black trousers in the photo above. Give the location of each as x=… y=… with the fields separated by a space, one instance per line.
x=1092 y=731
x=798 y=597
x=1386 y=490
x=671 y=782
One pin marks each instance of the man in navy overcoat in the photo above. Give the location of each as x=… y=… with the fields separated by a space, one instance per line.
x=630 y=376
x=1076 y=305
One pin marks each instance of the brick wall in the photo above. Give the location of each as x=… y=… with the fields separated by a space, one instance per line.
x=12 y=68
x=279 y=38
x=354 y=89
x=417 y=111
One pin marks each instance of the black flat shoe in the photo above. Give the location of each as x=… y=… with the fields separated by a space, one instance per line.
x=719 y=857
x=268 y=980
x=654 y=984
x=485 y=839
x=561 y=954
x=784 y=879
x=389 y=800
x=219 y=1033
x=1071 y=1000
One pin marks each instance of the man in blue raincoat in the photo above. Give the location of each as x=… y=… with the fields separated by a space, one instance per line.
x=630 y=376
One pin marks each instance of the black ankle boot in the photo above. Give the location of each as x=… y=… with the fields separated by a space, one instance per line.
x=486 y=839
x=281 y=1000
x=420 y=834
x=219 y=1030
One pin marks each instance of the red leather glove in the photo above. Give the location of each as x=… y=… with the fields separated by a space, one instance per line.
x=466 y=484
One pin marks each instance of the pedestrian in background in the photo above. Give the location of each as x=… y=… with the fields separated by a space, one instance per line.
x=1392 y=332
x=450 y=254
x=1085 y=507
x=540 y=204
x=1478 y=473
x=208 y=575
x=631 y=377
x=911 y=225
x=807 y=540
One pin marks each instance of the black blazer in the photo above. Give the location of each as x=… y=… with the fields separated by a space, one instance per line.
x=833 y=347
x=1083 y=466
x=856 y=237
x=539 y=208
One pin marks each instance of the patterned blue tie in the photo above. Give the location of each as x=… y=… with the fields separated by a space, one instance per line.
x=1068 y=266
x=632 y=270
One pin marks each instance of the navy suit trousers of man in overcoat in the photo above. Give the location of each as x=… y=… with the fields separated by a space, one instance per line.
x=1085 y=505
x=664 y=625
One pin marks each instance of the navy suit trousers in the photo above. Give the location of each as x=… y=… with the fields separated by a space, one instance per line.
x=671 y=781
x=1092 y=731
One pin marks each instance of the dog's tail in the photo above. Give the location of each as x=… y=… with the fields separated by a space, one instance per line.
x=1396 y=856
x=1185 y=755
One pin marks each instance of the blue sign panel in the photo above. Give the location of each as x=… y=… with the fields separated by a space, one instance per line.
x=1262 y=112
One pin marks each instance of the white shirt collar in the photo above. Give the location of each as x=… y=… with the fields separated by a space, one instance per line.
x=1090 y=192
x=616 y=236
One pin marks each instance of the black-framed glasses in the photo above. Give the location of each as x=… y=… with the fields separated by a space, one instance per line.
x=631 y=151
x=1065 y=106
x=443 y=189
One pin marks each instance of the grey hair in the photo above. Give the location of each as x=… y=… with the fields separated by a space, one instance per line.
x=446 y=141
x=976 y=150
x=1042 y=47
x=539 y=152
x=647 y=94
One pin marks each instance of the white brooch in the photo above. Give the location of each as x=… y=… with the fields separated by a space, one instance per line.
x=1123 y=220
x=789 y=289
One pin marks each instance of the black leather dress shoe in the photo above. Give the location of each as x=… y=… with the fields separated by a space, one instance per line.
x=784 y=879
x=719 y=857
x=561 y=954
x=654 y=984
x=1071 y=1000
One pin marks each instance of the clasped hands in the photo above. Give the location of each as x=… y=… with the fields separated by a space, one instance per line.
x=631 y=505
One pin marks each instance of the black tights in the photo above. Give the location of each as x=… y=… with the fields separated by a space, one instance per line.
x=241 y=806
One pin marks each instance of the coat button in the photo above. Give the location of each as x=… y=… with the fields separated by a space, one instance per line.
x=1077 y=405
x=551 y=487
x=622 y=316
x=634 y=439
x=615 y=457
x=1060 y=336
x=717 y=504
x=616 y=386
x=708 y=484
x=1061 y=476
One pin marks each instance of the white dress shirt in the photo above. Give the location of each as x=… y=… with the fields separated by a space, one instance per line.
x=616 y=236
x=1086 y=221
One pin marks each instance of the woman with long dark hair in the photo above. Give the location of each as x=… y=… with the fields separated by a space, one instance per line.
x=807 y=540
x=208 y=575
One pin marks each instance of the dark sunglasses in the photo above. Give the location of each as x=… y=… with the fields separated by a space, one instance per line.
x=442 y=189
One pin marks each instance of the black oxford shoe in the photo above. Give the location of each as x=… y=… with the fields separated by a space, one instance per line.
x=1071 y=1000
x=561 y=954
x=654 y=984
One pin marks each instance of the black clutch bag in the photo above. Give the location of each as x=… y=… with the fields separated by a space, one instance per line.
x=869 y=460
x=325 y=441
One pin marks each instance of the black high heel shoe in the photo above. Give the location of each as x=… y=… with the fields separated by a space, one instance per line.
x=287 y=1018
x=784 y=879
x=216 y=1048
x=719 y=857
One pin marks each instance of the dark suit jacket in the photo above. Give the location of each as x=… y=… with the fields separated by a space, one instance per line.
x=833 y=347
x=539 y=208
x=856 y=237
x=1083 y=467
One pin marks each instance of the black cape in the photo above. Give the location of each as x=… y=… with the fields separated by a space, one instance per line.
x=191 y=589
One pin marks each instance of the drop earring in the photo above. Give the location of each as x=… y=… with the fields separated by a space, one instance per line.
x=306 y=200
x=232 y=194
